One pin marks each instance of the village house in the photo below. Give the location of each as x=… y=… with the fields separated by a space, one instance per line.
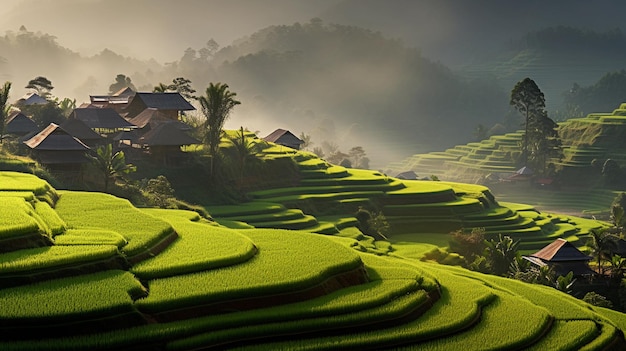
x=164 y=142
x=562 y=257
x=285 y=138
x=117 y=101
x=19 y=124
x=31 y=99
x=102 y=120
x=170 y=104
x=58 y=150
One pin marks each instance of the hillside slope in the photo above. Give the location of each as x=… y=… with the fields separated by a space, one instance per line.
x=272 y=289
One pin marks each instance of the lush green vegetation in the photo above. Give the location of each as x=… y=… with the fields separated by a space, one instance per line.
x=82 y=210
x=237 y=282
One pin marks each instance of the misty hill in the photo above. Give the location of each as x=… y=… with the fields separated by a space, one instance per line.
x=26 y=54
x=348 y=83
x=354 y=85
x=558 y=59
x=397 y=77
x=457 y=32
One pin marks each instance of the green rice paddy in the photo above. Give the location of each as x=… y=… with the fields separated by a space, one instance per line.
x=289 y=270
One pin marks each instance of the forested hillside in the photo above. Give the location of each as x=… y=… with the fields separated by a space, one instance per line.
x=353 y=86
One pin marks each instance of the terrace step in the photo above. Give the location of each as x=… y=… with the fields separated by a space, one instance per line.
x=457 y=207
x=393 y=297
x=34 y=265
x=299 y=271
x=302 y=223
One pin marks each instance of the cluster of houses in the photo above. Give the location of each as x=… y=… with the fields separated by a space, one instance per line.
x=134 y=120
x=141 y=123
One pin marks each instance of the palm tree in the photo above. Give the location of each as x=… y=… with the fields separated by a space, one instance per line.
x=602 y=244
x=501 y=253
x=111 y=165
x=4 y=108
x=217 y=103
x=245 y=148
x=618 y=267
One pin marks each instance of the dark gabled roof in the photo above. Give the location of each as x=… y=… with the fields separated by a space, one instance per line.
x=153 y=117
x=32 y=99
x=164 y=101
x=54 y=138
x=283 y=136
x=19 y=123
x=105 y=118
x=80 y=130
x=560 y=250
x=166 y=134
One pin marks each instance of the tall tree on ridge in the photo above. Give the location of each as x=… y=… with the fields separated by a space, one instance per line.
x=217 y=103
x=4 y=107
x=543 y=142
x=530 y=102
x=42 y=85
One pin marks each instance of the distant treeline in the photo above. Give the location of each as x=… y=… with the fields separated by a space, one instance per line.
x=333 y=82
x=571 y=40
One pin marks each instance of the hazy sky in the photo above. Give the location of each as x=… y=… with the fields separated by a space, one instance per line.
x=163 y=29
x=160 y=29
x=453 y=32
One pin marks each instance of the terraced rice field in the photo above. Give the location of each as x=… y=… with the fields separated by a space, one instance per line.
x=107 y=275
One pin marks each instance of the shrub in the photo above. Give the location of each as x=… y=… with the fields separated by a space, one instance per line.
x=373 y=224
x=158 y=191
x=596 y=299
x=469 y=244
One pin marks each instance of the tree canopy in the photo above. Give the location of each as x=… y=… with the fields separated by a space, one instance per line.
x=540 y=140
x=217 y=103
x=42 y=85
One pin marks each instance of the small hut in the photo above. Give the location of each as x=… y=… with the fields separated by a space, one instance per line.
x=285 y=138
x=102 y=120
x=563 y=257
x=31 y=99
x=58 y=150
x=170 y=104
x=19 y=124
x=151 y=117
x=117 y=101
x=164 y=143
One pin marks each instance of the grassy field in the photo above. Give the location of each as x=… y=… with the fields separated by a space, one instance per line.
x=288 y=270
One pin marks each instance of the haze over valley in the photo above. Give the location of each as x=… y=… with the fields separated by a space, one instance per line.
x=396 y=77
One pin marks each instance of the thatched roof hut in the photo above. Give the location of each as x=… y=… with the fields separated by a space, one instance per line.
x=171 y=104
x=167 y=134
x=19 y=124
x=151 y=117
x=563 y=257
x=164 y=142
x=31 y=99
x=54 y=145
x=285 y=138
x=101 y=118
